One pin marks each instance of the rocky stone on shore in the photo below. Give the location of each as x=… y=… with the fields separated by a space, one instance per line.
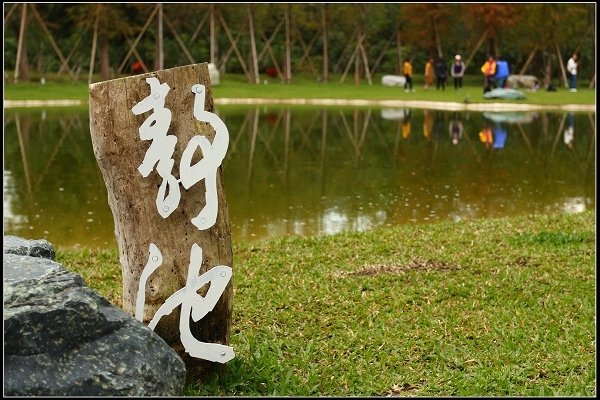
x=61 y=338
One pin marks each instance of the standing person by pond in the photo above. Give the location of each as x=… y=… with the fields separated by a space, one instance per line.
x=429 y=73
x=489 y=70
x=407 y=71
x=441 y=73
x=458 y=71
x=502 y=73
x=572 y=71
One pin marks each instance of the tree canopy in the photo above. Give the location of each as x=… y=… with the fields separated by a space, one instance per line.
x=361 y=37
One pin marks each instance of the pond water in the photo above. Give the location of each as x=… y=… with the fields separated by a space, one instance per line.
x=318 y=170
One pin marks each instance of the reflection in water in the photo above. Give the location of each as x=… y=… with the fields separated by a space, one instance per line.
x=456 y=128
x=308 y=171
x=52 y=186
x=9 y=194
x=570 y=131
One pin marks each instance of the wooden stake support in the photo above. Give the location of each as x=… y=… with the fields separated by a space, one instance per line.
x=235 y=49
x=20 y=44
x=52 y=41
x=94 y=41
x=272 y=55
x=562 y=65
x=479 y=43
x=179 y=40
x=136 y=41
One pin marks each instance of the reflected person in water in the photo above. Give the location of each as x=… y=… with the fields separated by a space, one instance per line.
x=569 y=135
x=406 y=123
x=427 y=124
x=456 y=129
x=486 y=136
x=500 y=135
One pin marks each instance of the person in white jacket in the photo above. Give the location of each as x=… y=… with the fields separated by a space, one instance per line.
x=457 y=71
x=572 y=70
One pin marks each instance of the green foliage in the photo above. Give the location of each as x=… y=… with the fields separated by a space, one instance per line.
x=492 y=307
x=456 y=28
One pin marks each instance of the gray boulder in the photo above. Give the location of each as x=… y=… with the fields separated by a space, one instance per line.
x=526 y=81
x=61 y=338
x=501 y=93
x=393 y=80
x=34 y=248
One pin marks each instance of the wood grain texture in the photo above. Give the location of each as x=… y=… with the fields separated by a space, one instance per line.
x=119 y=151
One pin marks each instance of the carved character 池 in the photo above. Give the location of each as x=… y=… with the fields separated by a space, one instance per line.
x=191 y=302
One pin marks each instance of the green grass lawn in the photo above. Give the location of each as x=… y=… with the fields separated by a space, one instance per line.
x=235 y=86
x=490 y=307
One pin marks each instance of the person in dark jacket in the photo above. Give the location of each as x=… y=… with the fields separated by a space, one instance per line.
x=441 y=73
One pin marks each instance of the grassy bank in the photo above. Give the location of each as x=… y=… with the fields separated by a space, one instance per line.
x=492 y=307
x=235 y=86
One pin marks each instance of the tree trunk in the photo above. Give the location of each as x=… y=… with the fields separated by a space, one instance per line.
x=254 y=63
x=399 y=47
x=547 y=69
x=159 y=58
x=213 y=35
x=132 y=199
x=357 y=68
x=21 y=65
x=104 y=59
x=288 y=44
x=438 y=42
x=325 y=43
x=94 y=41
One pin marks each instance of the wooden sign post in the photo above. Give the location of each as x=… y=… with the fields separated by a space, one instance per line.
x=159 y=148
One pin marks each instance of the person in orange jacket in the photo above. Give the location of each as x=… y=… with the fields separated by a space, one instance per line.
x=429 y=73
x=407 y=71
x=489 y=70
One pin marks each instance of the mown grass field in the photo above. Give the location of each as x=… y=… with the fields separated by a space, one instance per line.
x=302 y=86
x=490 y=307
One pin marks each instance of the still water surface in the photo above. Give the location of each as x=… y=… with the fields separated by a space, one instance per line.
x=313 y=171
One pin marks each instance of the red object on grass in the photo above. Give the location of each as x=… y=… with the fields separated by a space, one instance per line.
x=271 y=71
